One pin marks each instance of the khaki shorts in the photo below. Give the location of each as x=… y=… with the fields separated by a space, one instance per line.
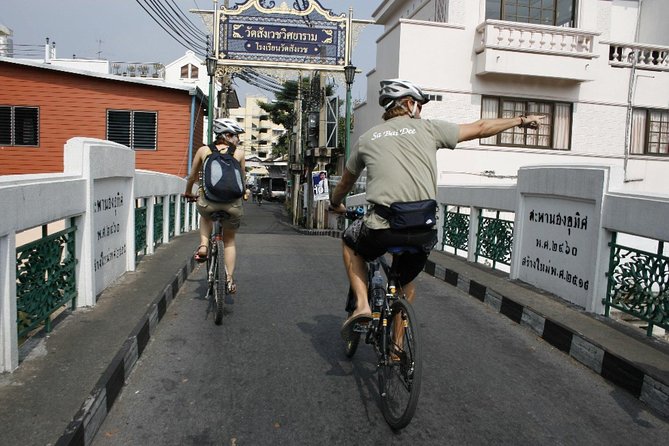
x=234 y=210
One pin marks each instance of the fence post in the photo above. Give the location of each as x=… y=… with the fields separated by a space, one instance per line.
x=472 y=240
x=166 y=218
x=9 y=358
x=150 y=215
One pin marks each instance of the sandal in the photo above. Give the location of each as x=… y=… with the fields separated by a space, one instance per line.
x=200 y=258
x=231 y=286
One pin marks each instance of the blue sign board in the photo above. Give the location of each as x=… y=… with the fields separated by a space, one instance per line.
x=254 y=32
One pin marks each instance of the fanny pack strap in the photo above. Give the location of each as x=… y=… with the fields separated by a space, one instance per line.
x=383 y=211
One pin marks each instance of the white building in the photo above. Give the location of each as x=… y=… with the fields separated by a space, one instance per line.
x=599 y=70
x=6 y=42
x=261 y=134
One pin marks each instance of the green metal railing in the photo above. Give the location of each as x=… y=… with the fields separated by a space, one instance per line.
x=184 y=203
x=455 y=230
x=158 y=224
x=45 y=278
x=173 y=209
x=638 y=284
x=494 y=239
x=140 y=229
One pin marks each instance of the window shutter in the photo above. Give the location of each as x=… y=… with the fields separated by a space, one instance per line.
x=144 y=135
x=118 y=126
x=5 y=126
x=25 y=126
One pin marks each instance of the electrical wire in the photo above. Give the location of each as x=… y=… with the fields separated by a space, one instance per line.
x=165 y=21
x=169 y=19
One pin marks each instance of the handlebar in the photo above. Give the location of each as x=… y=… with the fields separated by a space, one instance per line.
x=355 y=214
x=190 y=198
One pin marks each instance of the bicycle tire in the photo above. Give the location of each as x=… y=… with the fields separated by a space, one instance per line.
x=220 y=280
x=352 y=344
x=400 y=381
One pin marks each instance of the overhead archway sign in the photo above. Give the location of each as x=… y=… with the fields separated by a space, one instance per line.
x=259 y=33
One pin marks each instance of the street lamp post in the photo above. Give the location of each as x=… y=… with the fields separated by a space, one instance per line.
x=349 y=74
x=211 y=71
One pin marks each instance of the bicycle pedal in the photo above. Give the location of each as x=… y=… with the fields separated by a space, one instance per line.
x=361 y=328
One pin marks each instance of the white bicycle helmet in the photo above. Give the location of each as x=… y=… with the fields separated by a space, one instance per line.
x=227 y=125
x=393 y=89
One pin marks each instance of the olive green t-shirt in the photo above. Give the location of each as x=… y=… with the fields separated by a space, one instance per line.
x=401 y=160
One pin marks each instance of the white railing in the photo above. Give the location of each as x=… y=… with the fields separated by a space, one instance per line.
x=644 y=57
x=525 y=37
x=97 y=194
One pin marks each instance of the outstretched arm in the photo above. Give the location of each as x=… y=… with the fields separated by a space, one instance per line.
x=489 y=127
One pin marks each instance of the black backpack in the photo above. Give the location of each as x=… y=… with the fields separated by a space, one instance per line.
x=222 y=176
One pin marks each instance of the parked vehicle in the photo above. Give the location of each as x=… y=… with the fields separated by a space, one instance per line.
x=274 y=188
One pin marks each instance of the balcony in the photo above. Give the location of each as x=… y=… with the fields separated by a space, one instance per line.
x=642 y=56
x=524 y=49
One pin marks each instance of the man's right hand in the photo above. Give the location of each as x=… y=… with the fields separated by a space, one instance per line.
x=190 y=197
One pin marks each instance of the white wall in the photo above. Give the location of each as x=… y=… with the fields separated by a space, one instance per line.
x=653 y=30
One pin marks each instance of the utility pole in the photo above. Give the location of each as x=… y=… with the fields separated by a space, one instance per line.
x=299 y=159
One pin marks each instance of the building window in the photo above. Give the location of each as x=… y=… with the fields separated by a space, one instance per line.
x=135 y=129
x=19 y=126
x=541 y=12
x=650 y=132
x=189 y=71
x=553 y=133
x=434 y=97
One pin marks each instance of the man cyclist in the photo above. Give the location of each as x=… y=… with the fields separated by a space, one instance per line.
x=400 y=157
x=227 y=133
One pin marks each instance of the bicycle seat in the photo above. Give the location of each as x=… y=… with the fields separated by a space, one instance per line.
x=403 y=249
x=218 y=215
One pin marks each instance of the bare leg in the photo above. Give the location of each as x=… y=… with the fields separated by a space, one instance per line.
x=398 y=329
x=206 y=225
x=357 y=276
x=230 y=251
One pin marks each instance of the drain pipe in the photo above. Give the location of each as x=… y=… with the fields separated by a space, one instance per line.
x=631 y=84
x=191 y=132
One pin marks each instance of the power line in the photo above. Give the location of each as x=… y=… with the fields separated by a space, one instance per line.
x=164 y=22
x=168 y=18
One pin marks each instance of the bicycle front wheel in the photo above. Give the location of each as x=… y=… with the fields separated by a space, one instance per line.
x=400 y=367
x=221 y=279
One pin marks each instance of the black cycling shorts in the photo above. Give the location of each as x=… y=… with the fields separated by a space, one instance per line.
x=373 y=243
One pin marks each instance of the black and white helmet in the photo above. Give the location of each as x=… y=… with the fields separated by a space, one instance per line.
x=227 y=125
x=392 y=89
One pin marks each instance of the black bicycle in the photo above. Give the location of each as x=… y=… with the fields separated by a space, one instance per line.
x=217 y=276
x=393 y=333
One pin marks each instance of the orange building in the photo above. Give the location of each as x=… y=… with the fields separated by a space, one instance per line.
x=42 y=106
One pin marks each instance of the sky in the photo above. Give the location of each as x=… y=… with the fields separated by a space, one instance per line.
x=121 y=30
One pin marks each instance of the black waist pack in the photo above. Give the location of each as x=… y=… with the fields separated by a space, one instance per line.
x=409 y=214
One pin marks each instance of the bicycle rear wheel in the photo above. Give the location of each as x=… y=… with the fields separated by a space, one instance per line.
x=352 y=343
x=399 y=372
x=220 y=278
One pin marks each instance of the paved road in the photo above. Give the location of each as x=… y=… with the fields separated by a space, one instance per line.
x=274 y=373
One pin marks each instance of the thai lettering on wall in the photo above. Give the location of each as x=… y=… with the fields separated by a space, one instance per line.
x=558 y=246
x=110 y=216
